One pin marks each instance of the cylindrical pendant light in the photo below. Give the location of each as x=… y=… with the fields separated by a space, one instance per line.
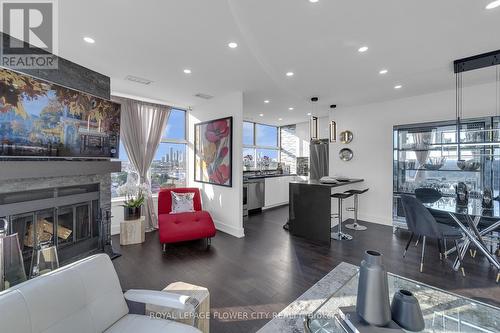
x=333 y=126
x=313 y=121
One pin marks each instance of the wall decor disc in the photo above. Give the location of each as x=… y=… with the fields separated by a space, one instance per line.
x=346 y=154
x=346 y=137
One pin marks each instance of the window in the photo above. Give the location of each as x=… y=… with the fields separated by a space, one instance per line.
x=260 y=146
x=248 y=133
x=169 y=166
x=266 y=136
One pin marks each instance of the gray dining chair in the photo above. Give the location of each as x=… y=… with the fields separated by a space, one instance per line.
x=421 y=223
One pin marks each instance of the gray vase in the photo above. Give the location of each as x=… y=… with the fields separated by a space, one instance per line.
x=406 y=311
x=373 y=291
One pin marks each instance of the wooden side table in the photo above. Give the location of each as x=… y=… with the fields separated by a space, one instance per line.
x=201 y=294
x=132 y=232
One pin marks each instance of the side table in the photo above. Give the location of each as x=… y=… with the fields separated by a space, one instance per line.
x=201 y=294
x=132 y=231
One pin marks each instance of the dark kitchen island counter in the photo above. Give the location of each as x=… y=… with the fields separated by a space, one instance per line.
x=310 y=209
x=317 y=183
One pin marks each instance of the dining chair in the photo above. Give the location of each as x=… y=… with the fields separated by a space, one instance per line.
x=421 y=223
x=431 y=195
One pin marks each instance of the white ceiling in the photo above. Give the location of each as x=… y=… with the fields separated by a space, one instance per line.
x=416 y=40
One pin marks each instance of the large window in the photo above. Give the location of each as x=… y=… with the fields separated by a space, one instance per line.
x=169 y=166
x=260 y=146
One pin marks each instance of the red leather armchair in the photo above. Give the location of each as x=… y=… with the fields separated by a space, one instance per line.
x=183 y=226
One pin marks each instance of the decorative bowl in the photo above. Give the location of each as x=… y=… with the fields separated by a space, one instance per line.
x=434 y=163
x=469 y=165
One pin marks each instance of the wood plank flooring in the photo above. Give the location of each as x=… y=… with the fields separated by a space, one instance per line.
x=268 y=269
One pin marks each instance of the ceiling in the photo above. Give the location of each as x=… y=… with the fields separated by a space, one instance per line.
x=416 y=40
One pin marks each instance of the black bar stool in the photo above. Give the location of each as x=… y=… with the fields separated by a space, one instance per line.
x=355 y=226
x=339 y=235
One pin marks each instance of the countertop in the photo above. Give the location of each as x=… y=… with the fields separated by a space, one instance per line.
x=268 y=176
x=317 y=183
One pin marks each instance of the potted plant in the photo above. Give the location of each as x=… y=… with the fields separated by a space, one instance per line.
x=132 y=206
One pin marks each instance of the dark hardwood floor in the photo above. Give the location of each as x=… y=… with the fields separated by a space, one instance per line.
x=268 y=269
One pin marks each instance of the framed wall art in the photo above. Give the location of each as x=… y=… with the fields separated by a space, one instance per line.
x=213 y=147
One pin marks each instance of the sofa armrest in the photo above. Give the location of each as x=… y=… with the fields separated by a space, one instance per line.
x=138 y=298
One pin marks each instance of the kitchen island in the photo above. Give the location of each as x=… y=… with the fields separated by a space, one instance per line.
x=310 y=209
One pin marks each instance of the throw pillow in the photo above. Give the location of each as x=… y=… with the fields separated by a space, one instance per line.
x=182 y=202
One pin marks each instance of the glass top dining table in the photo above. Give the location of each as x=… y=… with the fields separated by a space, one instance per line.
x=468 y=219
x=474 y=207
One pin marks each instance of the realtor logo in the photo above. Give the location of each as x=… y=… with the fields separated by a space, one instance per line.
x=29 y=37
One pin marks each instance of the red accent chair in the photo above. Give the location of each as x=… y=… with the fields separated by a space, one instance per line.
x=183 y=226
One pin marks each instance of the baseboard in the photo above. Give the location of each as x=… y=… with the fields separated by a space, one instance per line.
x=228 y=229
x=236 y=232
x=375 y=219
x=274 y=206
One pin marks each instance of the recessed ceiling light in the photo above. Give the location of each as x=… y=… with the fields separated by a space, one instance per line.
x=266 y=101
x=290 y=74
x=313 y=1
x=187 y=71
x=290 y=108
x=363 y=49
x=261 y=114
x=280 y=119
x=232 y=45
x=493 y=4
x=383 y=71
x=398 y=86
x=309 y=113
x=89 y=40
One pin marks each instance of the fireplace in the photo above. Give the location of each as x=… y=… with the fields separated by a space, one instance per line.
x=67 y=217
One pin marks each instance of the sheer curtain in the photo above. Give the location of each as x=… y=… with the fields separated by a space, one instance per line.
x=142 y=126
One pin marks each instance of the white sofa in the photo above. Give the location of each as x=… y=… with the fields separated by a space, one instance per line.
x=85 y=297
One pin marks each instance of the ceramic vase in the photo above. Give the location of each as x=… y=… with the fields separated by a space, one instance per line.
x=373 y=291
x=406 y=311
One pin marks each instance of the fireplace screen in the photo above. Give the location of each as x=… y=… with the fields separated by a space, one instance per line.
x=63 y=217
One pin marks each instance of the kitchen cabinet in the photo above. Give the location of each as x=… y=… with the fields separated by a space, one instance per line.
x=277 y=190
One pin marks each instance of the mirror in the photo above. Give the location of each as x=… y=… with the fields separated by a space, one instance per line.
x=346 y=137
x=346 y=154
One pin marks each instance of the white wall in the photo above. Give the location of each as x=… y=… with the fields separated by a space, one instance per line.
x=225 y=204
x=302 y=132
x=372 y=145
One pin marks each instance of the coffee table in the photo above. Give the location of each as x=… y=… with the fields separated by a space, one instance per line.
x=443 y=311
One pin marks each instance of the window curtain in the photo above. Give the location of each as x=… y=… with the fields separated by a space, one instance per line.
x=142 y=126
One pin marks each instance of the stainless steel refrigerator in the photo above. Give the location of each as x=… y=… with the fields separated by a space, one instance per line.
x=318 y=159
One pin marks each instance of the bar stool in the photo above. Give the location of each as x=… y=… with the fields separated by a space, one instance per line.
x=339 y=235
x=355 y=226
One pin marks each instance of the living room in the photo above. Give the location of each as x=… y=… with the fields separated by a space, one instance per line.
x=250 y=166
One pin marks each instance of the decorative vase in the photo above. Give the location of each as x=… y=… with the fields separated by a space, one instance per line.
x=131 y=213
x=487 y=201
x=373 y=291
x=406 y=311
x=462 y=194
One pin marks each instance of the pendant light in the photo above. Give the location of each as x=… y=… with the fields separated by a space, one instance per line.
x=313 y=121
x=333 y=126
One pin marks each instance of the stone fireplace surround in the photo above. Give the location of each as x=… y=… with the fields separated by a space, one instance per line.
x=23 y=176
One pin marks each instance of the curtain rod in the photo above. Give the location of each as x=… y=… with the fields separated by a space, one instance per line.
x=148 y=100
